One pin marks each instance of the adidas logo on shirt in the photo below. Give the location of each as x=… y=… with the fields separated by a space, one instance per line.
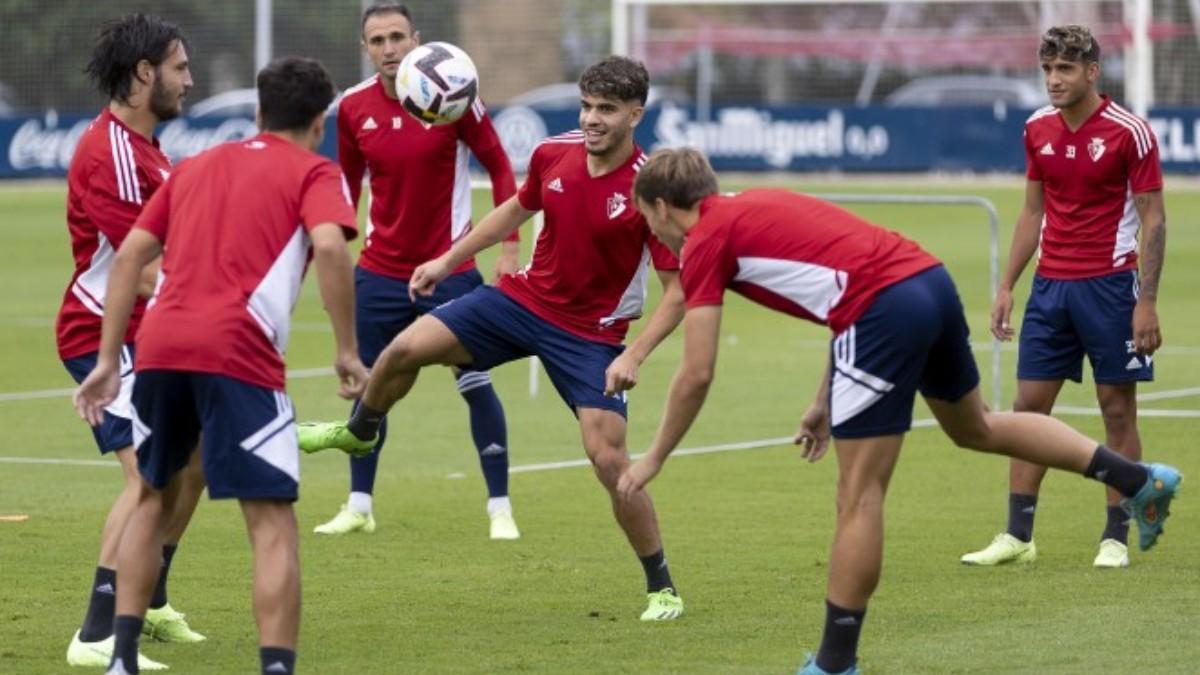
x=1047 y=149
x=1134 y=364
x=370 y=124
x=555 y=185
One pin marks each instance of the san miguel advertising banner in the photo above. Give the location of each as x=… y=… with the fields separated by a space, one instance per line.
x=736 y=138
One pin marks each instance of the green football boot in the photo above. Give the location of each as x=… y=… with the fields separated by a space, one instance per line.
x=167 y=625
x=664 y=605
x=318 y=436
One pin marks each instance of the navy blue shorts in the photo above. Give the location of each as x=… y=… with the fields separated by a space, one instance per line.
x=1066 y=319
x=495 y=329
x=249 y=448
x=382 y=308
x=913 y=337
x=115 y=432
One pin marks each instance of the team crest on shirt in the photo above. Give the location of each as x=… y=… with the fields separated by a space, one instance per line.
x=616 y=205
x=1096 y=149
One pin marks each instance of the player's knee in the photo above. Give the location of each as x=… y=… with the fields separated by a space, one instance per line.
x=1118 y=413
x=608 y=465
x=975 y=435
x=859 y=498
x=399 y=355
x=272 y=525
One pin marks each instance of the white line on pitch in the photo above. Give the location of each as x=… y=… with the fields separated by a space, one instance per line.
x=1142 y=412
x=69 y=462
x=1171 y=393
x=702 y=450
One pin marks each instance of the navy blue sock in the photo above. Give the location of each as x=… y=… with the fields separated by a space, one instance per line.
x=277 y=660
x=1021 y=509
x=488 y=429
x=98 y=622
x=1123 y=475
x=1117 y=526
x=839 y=644
x=365 y=421
x=160 y=589
x=362 y=469
x=128 y=630
x=658 y=575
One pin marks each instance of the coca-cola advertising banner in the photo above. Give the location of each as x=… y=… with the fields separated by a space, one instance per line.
x=736 y=138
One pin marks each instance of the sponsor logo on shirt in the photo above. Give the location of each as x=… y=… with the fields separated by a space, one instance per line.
x=1070 y=152
x=556 y=185
x=616 y=205
x=397 y=122
x=1096 y=149
x=370 y=124
x=1047 y=149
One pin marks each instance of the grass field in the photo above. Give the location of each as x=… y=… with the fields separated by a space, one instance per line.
x=746 y=532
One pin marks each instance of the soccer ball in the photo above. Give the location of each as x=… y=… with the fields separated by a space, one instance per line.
x=437 y=83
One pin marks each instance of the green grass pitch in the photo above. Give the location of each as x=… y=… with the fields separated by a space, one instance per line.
x=747 y=532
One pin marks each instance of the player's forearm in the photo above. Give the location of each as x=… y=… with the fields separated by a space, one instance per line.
x=335 y=277
x=1154 y=251
x=822 y=397
x=119 y=299
x=494 y=227
x=662 y=322
x=1024 y=245
x=688 y=391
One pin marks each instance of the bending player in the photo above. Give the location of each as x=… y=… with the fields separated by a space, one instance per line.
x=898 y=329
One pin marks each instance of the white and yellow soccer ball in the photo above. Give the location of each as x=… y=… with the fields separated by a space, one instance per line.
x=437 y=83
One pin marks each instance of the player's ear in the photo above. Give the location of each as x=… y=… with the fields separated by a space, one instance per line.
x=416 y=38
x=144 y=72
x=636 y=115
x=660 y=208
x=316 y=130
x=258 y=118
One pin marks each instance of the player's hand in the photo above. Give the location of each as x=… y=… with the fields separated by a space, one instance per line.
x=1001 y=314
x=426 y=277
x=814 y=432
x=621 y=375
x=507 y=262
x=97 y=390
x=637 y=475
x=1147 y=337
x=352 y=376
